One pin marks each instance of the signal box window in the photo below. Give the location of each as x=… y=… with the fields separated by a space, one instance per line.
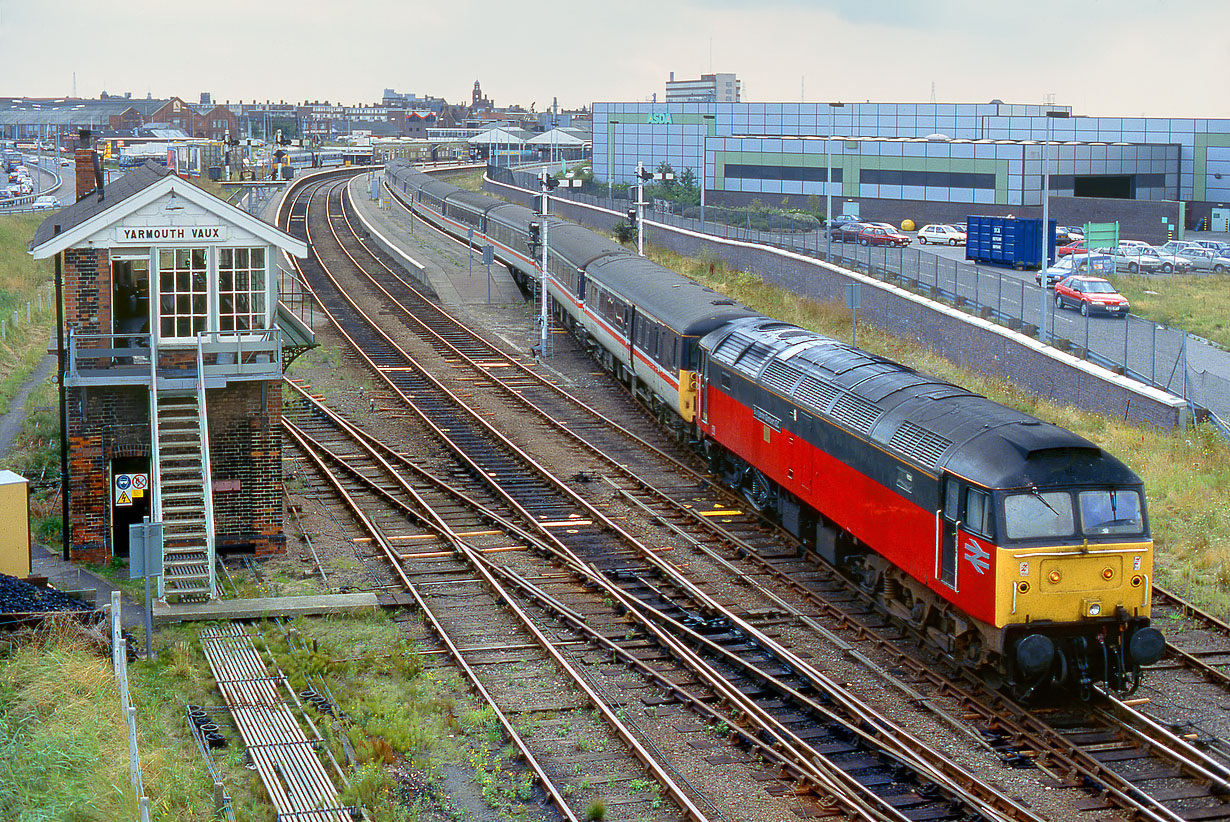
x=241 y=289
x=183 y=292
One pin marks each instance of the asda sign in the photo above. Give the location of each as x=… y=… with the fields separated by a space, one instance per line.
x=659 y=118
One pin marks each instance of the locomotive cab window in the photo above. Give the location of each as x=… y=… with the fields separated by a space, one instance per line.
x=978 y=517
x=1111 y=512
x=1039 y=515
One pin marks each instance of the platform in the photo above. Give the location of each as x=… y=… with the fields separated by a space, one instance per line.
x=263 y=607
x=390 y=228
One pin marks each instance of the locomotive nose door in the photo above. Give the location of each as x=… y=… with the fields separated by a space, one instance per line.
x=949 y=521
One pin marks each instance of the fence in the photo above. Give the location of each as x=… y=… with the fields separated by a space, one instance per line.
x=119 y=660
x=1157 y=355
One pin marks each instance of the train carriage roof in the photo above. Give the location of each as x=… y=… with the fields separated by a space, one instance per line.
x=930 y=422
x=684 y=305
x=470 y=200
x=580 y=246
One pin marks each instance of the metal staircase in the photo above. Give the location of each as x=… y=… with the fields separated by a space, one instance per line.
x=183 y=498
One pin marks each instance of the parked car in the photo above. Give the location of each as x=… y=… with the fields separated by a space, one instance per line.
x=1074 y=264
x=1065 y=234
x=846 y=232
x=878 y=235
x=1206 y=259
x=941 y=234
x=1216 y=245
x=1090 y=295
x=1147 y=259
x=841 y=220
x=1077 y=247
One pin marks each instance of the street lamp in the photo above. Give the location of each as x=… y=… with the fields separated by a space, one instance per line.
x=828 y=186
x=1047 y=236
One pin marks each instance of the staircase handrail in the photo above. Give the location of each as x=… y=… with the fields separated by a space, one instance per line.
x=205 y=473
x=155 y=475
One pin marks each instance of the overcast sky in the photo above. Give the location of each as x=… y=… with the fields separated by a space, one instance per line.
x=1103 y=57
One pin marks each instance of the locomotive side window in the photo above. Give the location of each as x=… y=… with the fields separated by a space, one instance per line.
x=952 y=501
x=1110 y=512
x=1039 y=515
x=978 y=512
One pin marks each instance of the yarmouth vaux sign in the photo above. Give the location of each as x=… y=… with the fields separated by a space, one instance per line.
x=170 y=233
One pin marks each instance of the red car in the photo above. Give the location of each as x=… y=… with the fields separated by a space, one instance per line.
x=1071 y=248
x=1090 y=295
x=878 y=235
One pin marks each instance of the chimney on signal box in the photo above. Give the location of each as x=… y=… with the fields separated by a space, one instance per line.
x=84 y=160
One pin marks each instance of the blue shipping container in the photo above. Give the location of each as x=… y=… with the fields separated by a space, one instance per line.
x=1011 y=241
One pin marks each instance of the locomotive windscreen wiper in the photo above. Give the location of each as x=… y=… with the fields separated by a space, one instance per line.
x=1033 y=489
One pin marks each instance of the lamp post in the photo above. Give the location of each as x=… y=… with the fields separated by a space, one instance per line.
x=828 y=186
x=1047 y=236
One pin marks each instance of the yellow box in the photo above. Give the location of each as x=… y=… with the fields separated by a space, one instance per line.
x=14 y=525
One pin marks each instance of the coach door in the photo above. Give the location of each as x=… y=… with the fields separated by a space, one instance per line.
x=948 y=522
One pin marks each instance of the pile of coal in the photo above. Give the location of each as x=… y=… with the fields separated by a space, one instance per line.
x=20 y=597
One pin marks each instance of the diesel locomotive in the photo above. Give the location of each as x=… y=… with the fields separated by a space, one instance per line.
x=1018 y=548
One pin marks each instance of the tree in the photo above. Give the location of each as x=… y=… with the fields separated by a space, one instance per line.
x=664 y=168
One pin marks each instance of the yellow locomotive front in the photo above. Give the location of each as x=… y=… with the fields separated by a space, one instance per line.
x=1073 y=582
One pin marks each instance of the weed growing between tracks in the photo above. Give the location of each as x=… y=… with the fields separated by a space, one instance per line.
x=1186 y=473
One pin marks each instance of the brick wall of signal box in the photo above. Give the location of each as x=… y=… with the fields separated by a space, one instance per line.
x=245 y=449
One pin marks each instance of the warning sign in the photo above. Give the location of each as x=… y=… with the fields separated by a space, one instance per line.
x=129 y=487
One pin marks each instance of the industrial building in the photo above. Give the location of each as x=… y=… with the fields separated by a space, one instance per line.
x=926 y=161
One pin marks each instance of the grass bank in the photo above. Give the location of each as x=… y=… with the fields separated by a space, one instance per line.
x=1186 y=473
x=1198 y=304
x=22 y=278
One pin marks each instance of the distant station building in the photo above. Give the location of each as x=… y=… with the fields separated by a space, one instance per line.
x=173 y=348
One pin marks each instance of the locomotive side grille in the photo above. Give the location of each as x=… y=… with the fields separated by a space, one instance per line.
x=780 y=377
x=754 y=357
x=855 y=412
x=919 y=443
x=815 y=393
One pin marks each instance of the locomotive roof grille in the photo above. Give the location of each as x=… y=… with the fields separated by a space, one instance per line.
x=920 y=444
x=819 y=395
x=855 y=412
x=754 y=357
x=781 y=377
x=731 y=347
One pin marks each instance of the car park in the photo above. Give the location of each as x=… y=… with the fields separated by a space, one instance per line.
x=1206 y=259
x=1145 y=259
x=878 y=235
x=1074 y=264
x=941 y=235
x=1091 y=295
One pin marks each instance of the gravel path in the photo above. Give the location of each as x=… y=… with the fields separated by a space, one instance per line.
x=10 y=423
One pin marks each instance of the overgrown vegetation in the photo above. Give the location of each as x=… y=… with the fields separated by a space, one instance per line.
x=1198 y=304
x=21 y=280
x=1186 y=473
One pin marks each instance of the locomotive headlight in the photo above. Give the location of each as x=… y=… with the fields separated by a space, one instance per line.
x=1091 y=607
x=1054 y=577
x=1108 y=573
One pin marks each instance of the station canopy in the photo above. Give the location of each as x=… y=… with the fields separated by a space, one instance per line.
x=559 y=137
x=500 y=137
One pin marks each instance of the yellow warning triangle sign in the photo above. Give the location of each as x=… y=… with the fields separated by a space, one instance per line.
x=124 y=499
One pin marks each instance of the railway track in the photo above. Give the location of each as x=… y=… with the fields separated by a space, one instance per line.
x=590 y=543
x=1020 y=737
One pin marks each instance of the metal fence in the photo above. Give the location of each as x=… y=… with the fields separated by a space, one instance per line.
x=119 y=660
x=1158 y=355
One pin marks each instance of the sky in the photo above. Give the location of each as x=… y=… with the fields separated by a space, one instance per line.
x=1165 y=58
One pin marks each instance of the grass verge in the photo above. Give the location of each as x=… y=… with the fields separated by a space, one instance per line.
x=21 y=279
x=1198 y=304
x=1186 y=473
